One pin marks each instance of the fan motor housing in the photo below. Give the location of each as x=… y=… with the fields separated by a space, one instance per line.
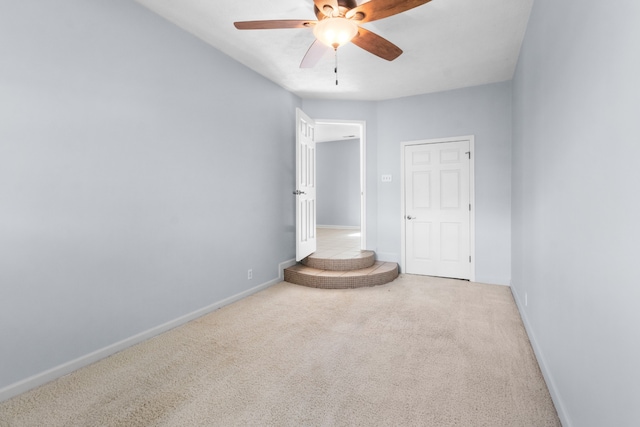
x=343 y=7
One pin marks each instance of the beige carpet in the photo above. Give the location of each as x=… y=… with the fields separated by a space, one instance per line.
x=416 y=352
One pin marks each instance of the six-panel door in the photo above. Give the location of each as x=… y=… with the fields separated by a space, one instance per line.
x=305 y=192
x=437 y=209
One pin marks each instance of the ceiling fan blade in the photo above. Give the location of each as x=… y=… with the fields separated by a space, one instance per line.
x=316 y=51
x=378 y=9
x=327 y=7
x=377 y=45
x=273 y=24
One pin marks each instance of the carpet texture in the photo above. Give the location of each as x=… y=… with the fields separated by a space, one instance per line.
x=419 y=351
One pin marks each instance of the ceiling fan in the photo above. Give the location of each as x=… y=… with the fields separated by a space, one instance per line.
x=338 y=24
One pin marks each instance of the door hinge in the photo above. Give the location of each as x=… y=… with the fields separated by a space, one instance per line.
x=469 y=207
x=469 y=258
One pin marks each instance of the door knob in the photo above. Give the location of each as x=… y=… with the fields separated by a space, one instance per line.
x=298 y=192
x=411 y=217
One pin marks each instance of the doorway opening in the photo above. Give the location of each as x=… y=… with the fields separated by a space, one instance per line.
x=347 y=140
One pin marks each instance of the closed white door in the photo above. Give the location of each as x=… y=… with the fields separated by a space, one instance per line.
x=437 y=209
x=305 y=191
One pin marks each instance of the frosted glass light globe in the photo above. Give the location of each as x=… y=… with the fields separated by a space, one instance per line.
x=335 y=32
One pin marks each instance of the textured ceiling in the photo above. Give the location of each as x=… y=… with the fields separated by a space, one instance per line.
x=447 y=44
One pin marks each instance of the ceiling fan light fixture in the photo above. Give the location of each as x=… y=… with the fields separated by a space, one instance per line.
x=335 y=32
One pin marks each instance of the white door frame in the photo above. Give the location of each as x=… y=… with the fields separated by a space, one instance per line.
x=472 y=213
x=363 y=172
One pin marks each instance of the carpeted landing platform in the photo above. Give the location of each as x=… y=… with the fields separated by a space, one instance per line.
x=419 y=351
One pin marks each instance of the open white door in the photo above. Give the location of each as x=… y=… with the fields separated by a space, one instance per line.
x=305 y=191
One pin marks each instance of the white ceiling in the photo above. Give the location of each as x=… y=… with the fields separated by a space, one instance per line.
x=447 y=44
x=326 y=132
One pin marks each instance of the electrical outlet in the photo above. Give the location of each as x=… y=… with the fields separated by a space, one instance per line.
x=386 y=178
x=249 y=274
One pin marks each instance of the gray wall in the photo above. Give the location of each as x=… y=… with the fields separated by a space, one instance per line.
x=141 y=174
x=338 y=183
x=483 y=111
x=576 y=207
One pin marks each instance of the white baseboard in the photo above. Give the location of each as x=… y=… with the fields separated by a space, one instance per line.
x=73 y=365
x=340 y=227
x=493 y=281
x=283 y=265
x=555 y=396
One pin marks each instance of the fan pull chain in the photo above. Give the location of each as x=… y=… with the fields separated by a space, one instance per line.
x=336 y=68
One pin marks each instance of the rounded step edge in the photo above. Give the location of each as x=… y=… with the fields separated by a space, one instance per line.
x=365 y=259
x=378 y=274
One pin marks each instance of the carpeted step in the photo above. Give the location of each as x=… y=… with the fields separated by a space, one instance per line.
x=363 y=259
x=378 y=274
